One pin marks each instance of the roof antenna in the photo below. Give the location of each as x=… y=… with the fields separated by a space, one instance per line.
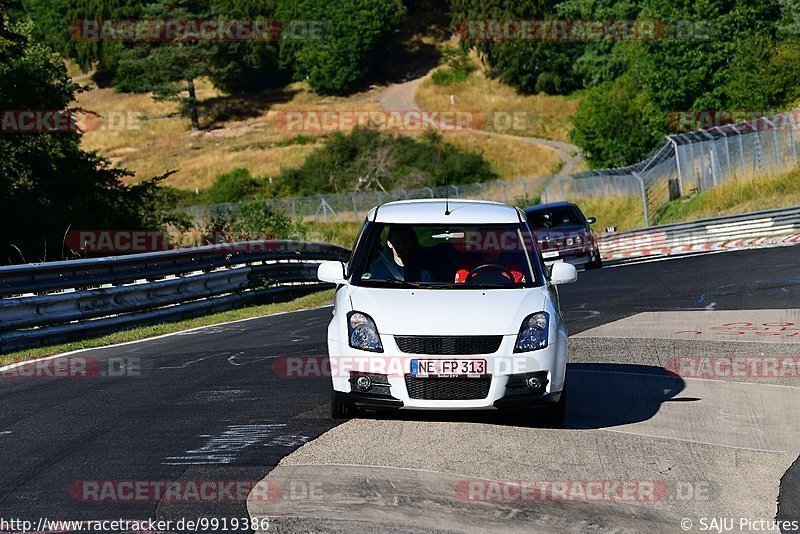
x=446 y=195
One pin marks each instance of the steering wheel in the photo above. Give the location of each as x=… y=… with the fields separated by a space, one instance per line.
x=496 y=266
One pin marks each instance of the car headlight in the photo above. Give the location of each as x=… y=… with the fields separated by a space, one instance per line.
x=362 y=332
x=570 y=241
x=533 y=333
x=578 y=240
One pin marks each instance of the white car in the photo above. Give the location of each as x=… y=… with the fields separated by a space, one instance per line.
x=447 y=306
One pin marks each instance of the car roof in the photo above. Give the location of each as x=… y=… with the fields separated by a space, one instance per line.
x=549 y=205
x=432 y=211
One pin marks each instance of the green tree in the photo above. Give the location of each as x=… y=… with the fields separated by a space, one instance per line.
x=343 y=55
x=47 y=183
x=616 y=124
x=531 y=66
x=59 y=23
x=169 y=69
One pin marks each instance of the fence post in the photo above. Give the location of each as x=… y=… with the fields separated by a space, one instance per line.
x=355 y=207
x=644 y=198
x=678 y=162
x=774 y=142
x=694 y=164
x=791 y=135
x=505 y=192
x=756 y=146
x=741 y=148
x=294 y=210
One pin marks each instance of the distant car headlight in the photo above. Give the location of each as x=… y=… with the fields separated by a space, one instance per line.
x=570 y=241
x=533 y=333
x=578 y=240
x=362 y=332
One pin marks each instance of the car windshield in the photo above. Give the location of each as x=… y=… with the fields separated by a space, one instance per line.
x=446 y=256
x=555 y=217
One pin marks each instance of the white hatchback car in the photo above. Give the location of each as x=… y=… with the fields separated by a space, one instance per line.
x=447 y=306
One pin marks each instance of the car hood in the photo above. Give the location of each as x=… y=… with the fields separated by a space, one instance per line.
x=430 y=312
x=560 y=232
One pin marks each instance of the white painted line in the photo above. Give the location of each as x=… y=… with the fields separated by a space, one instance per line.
x=154 y=338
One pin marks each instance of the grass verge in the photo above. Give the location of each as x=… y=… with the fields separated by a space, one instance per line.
x=736 y=196
x=320 y=298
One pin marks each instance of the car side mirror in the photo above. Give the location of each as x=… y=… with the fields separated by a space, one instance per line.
x=563 y=273
x=591 y=220
x=331 y=271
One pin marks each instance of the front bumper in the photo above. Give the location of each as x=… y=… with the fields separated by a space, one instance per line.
x=577 y=257
x=501 y=387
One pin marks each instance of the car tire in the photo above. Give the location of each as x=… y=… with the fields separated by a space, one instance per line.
x=554 y=415
x=339 y=409
x=596 y=262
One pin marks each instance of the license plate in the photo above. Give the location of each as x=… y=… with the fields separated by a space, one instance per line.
x=448 y=368
x=550 y=254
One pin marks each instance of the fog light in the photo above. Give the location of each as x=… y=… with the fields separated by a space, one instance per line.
x=533 y=383
x=363 y=383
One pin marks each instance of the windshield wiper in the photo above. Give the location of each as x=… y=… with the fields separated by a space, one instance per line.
x=453 y=285
x=393 y=281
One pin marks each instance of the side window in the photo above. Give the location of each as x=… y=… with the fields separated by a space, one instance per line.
x=355 y=247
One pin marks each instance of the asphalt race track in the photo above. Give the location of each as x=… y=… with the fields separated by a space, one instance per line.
x=213 y=405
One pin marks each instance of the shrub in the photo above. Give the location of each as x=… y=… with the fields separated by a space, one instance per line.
x=234 y=186
x=366 y=160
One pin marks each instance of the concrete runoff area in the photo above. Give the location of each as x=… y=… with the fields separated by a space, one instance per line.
x=763 y=326
x=711 y=447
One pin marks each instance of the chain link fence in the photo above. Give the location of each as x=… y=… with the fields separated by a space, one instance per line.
x=684 y=164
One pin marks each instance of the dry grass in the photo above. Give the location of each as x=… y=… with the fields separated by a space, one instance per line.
x=510 y=157
x=251 y=134
x=542 y=115
x=162 y=140
x=624 y=212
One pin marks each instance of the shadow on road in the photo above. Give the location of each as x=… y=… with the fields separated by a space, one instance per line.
x=608 y=394
x=600 y=395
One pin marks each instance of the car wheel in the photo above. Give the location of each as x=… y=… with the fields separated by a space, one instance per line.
x=596 y=262
x=553 y=415
x=340 y=410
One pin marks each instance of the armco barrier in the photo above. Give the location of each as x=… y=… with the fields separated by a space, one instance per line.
x=57 y=301
x=761 y=228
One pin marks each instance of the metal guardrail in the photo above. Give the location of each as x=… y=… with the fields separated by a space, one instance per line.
x=57 y=301
x=727 y=231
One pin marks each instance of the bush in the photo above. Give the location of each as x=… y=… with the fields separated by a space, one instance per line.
x=256 y=219
x=366 y=160
x=234 y=186
x=459 y=67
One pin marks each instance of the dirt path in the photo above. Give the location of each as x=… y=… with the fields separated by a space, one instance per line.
x=402 y=97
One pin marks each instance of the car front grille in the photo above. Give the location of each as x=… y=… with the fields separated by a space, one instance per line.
x=448 y=345
x=448 y=388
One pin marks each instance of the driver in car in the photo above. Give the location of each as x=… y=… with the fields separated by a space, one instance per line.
x=402 y=243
